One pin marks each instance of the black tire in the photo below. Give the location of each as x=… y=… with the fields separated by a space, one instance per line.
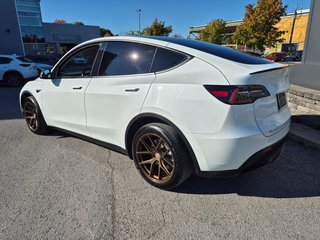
x=160 y=156
x=13 y=79
x=34 y=117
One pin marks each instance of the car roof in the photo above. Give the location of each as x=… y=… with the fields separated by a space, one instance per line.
x=209 y=48
x=7 y=56
x=12 y=56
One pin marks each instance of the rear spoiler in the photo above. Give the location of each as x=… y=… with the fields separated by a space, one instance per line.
x=268 y=70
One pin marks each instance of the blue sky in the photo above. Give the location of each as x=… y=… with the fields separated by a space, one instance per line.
x=120 y=16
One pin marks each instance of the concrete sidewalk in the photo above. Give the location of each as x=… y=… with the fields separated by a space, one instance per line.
x=303 y=134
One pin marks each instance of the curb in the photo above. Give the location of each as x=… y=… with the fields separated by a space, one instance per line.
x=303 y=134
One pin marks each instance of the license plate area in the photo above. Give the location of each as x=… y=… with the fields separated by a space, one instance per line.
x=281 y=100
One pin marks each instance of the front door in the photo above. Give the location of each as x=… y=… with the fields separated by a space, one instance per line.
x=63 y=96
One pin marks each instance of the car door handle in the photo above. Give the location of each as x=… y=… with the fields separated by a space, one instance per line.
x=77 y=88
x=133 y=90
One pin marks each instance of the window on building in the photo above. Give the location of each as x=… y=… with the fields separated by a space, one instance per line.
x=28 y=2
x=28 y=8
x=27 y=21
x=124 y=58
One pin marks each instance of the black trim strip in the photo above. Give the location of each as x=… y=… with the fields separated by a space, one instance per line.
x=95 y=141
x=268 y=70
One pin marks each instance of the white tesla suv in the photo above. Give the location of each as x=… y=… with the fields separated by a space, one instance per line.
x=174 y=106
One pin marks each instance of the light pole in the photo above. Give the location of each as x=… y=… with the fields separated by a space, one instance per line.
x=139 y=15
x=292 y=29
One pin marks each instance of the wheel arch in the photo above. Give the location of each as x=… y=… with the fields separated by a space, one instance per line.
x=11 y=71
x=145 y=118
x=25 y=94
x=23 y=97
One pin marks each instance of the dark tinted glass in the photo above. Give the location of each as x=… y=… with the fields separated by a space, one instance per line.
x=217 y=50
x=123 y=58
x=166 y=59
x=46 y=60
x=80 y=64
x=4 y=60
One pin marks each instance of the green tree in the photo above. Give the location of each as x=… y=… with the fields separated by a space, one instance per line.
x=79 y=23
x=157 y=28
x=105 y=32
x=258 y=28
x=214 y=32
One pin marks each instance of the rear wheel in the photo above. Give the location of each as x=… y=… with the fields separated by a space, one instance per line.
x=160 y=156
x=33 y=116
x=13 y=79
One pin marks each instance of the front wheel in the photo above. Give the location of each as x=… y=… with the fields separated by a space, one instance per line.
x=33 y=116
x=160 y=156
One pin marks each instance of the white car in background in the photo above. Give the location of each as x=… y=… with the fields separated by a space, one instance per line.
x=175 y=106
x=14 y=70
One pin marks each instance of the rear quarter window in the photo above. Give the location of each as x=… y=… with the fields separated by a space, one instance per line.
x=166 y=59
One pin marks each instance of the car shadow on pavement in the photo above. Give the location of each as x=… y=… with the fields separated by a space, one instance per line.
x=294 y=175
x=9 y=103
x=310 y=120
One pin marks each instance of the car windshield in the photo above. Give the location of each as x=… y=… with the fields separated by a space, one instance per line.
x=217 y=50
x=24 y=59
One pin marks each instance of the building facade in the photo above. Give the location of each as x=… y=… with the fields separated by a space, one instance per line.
x=22 y=31
x=10 y=35
x=285 y=24
x=298 y=34
x=307 y=73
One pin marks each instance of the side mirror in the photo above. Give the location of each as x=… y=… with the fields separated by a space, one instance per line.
x=45 y=74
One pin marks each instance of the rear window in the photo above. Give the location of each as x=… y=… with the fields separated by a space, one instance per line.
x=217 y=50
x=126 y=58
x=4 y=60
x=24 y=59
x=166 y=59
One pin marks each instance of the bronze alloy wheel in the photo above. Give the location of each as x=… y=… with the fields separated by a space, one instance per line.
x=155 y=158
x=31 y=115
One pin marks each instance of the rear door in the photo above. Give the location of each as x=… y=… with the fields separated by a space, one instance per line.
x=63 y=96
x=118 y=91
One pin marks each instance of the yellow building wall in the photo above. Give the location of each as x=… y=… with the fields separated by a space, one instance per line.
x=299 y=32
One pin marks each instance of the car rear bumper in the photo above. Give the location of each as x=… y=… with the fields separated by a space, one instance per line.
x=235 y=151
x=259 y=159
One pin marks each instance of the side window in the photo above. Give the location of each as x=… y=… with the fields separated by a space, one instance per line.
x=123 y=58
x=166 y=59
x=4 y=60
x=79 y=64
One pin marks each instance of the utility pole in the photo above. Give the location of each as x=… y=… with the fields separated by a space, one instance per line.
x=139 y=16
x=292 y=29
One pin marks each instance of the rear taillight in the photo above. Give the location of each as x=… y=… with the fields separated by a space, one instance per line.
x=235 y=95
x=24 y=65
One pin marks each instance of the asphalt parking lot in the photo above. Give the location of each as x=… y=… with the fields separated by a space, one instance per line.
x=61 y=187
